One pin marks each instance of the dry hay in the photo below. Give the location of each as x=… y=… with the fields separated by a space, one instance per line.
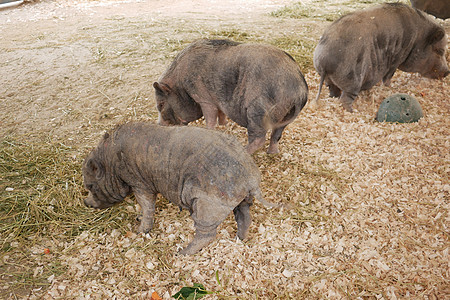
x=364 y=214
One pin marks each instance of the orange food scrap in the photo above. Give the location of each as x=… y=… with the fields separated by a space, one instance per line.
x=46 y=251
x=155 y=296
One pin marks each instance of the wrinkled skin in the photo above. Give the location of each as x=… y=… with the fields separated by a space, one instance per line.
x=437 y=8
x=366 y=47
x=201 y=170
x=257 y=86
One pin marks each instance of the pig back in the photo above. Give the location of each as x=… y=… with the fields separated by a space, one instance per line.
x=369 y=44
x=232 y=75
x=262 y=73
x=213 y=163
x=171 y=160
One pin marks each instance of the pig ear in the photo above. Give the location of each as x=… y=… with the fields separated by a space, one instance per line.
x=162 y=88
x=106 y=136
x=435 y=35
x=96 y=168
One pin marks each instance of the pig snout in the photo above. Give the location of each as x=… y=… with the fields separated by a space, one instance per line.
x=177 y=121
x=442 y=73
x=183 y=122
x=443 y=70
x=437 y=72
x=163 y=122
x=91 y=202
x=87 y=203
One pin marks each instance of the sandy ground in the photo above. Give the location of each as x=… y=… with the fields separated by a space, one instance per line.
x=375 y=227
x=69 y=36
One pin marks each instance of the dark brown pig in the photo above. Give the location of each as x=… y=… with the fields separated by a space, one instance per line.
x=366 y=47
x=257 y=86
x=437 y=8
x=207 y=172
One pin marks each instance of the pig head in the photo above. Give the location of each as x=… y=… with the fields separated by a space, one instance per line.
x=428 y=58
x=175 y=106
x=366 y=47
x=100 y=179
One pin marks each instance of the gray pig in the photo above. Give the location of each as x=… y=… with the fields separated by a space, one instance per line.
x=257 y=86
x=437 y=8
x=365 y=47
x=207 y=172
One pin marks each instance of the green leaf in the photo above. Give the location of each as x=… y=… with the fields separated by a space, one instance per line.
x=192 y=293
x=217 y=278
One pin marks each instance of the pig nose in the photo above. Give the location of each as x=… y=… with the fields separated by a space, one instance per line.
x=163 y=123
x=446 y=73
x=87 y=203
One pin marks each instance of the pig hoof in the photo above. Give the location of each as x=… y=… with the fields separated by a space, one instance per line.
x=190 y=249
x=257 y=144
x=313 y=105
x=144 y=232
x=185 y=251
x=223 y=122
x=241 y=236
x=348 y=108
x=144 y=229
x=139 y=218
x=273 y=150
x=197 y=244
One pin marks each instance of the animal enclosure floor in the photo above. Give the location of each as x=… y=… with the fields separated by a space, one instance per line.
x=365 y=205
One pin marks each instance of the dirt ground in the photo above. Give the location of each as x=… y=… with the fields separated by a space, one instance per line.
x=367 y=203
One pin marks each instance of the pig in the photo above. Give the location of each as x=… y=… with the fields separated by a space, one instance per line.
x=205 y=171
x=437 y=8
x=365 y=47
x=257 y=86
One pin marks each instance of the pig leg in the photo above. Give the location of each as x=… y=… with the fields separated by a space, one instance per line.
x=274 y=138
x=334 y=90
x=147 y=202
x=207 y=214
x=211 y=113
x=202 y=238
x=347 y=99
x=243 y=218
x=222 y=118
x=387 y=78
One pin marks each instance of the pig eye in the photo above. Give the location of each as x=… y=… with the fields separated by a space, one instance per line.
x=440 y=52
x=160 y=106
x=89 y=186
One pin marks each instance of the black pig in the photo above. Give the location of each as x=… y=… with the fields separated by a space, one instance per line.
x=257 y=86
x=365 y=47
x=207 y=172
